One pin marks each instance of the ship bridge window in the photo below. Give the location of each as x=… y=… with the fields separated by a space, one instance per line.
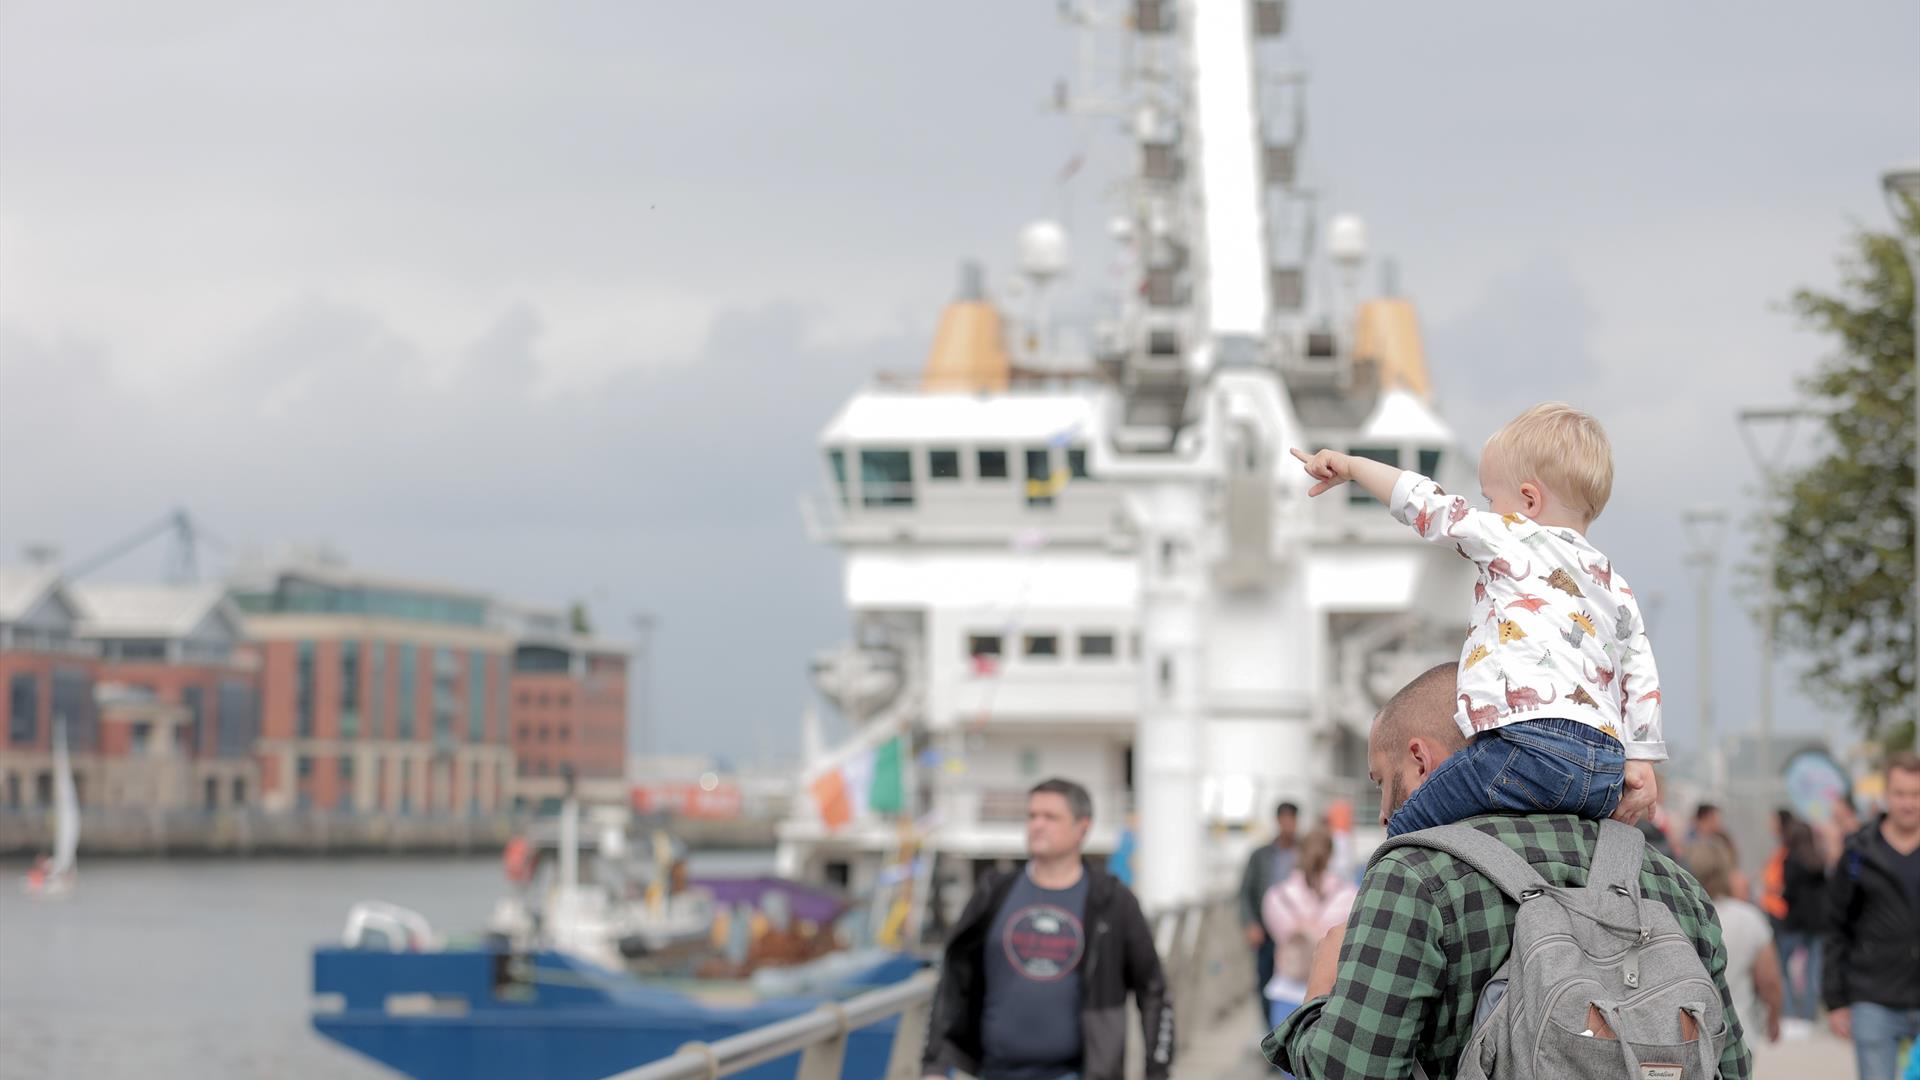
x=1041 y=487
x=943 y=464
x=993 y=464
x=886 y=478
x=1430 y=463
x=1096 y=646
x=979 y=645
x=837 y=461
x=1041 y=647
x=1384 y=455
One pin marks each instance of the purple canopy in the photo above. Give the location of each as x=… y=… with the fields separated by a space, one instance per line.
x=807 y=902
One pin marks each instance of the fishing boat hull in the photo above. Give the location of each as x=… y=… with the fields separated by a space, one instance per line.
x=486 y=1013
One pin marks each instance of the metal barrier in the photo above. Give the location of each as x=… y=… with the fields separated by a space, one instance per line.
x=1208 y=970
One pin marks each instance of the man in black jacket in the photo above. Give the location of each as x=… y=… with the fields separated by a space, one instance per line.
x=1037 y=971
x=1872 y=966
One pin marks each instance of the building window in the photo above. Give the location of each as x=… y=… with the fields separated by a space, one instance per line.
x=837 y=461
x=1040 y=487
x=1384 y=455
x=886 y=478
x=943 y=464
x=305 y=767
x=476 y=697
x=500 y=699
x=992 y=464
x=23 y=710
x=239 y=791
x=545 y=732
x=563 y=734
x=73 y=702
x=377 y=690
x=303 y=692
x=409 y=662
x=1029 y=762
x=239 y=719
x=526 y=733
x=349 y=689
x=1041 y=646
x=149 y=649
x=979 y=645
x=1166 y=678
x=346 y=769
x=1077 y=463
x=1430 y=463
x=1096 y=646
x=142 y=738
x=195 y=699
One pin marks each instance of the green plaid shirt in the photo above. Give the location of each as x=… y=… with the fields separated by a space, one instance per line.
x=1426 y=934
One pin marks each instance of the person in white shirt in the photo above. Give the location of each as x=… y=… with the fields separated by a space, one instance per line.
x=1753 y=965
x=1558 y=690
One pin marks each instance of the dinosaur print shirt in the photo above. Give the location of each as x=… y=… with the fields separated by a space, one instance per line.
x=1555 y=629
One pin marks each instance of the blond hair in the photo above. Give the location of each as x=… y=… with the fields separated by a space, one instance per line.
x=1562 y=448
x=1713 y=864
x=1316 y=854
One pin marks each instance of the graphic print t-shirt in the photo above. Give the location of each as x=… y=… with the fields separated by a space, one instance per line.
x=1031 y=1025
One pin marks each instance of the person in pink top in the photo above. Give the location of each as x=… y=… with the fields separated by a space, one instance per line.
x=1298 y=911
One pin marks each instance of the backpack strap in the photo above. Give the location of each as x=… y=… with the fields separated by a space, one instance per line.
x=1617 y=857
x=1500 y=864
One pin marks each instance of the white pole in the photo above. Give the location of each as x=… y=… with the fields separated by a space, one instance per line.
x=569 y=844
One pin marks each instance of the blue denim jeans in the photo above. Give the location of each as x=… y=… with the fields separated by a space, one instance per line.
x=1802 y=996
x=1546 y=766
x=1877 y=1034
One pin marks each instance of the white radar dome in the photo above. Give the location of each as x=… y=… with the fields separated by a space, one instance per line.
x=1347 y=239
x=1043 y=250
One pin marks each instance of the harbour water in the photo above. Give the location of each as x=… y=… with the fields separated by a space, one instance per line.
x=171 y=969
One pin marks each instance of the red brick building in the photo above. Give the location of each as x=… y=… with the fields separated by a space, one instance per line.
x=161 y=710
x=569 y=708
x=378 y=696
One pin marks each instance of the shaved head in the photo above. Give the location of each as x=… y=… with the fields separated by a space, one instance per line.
x=1412 y=735
x=1423 y=708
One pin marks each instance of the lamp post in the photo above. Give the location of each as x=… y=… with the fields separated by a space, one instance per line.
x=1901 y=186
x=644 y=624
x=1705 y=526
x=1753 y=422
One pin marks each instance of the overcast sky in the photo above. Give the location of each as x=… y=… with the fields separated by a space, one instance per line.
x=553 y=299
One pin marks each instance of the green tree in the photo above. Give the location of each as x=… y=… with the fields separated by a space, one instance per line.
x=1845 y=570
x=581 y=623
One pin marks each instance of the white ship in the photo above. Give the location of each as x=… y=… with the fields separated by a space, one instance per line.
x=1105 y=566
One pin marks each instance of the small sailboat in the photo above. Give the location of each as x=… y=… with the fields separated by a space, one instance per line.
x=55 y=876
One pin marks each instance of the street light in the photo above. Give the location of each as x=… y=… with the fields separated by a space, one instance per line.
x=1705 y=526
x=644 y=624
x=1901 y=186
x=1753 y=423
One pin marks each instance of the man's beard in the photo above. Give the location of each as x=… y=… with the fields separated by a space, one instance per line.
x=1394 y=799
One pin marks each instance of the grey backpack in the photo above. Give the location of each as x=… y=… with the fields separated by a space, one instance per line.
x=1600 y=982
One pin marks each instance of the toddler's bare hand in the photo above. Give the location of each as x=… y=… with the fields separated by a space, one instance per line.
x=1639 y=791
x=1331 y=467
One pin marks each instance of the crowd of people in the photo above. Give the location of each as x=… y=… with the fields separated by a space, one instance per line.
x=1831 y=924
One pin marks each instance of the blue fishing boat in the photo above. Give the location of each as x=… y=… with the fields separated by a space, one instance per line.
x=488 y=1013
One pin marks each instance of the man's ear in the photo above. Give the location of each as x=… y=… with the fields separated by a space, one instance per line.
x=1421 y=753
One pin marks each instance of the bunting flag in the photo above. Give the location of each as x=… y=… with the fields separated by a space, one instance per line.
x=830 y=795
x=887 y=793
x=1051 y=486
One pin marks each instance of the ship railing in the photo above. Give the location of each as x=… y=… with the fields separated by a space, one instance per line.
x=1207 y=966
